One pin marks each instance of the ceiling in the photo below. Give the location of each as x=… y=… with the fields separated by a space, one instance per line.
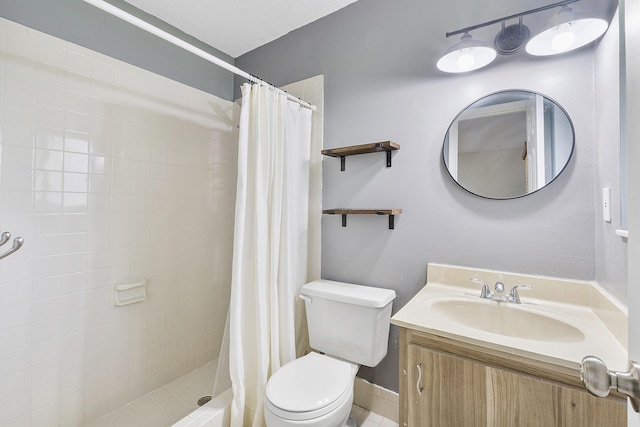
x=236 y=27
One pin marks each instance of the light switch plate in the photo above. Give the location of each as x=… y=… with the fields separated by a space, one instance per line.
x=606 y=204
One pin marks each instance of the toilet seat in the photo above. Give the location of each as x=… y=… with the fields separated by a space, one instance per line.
x=309 y=387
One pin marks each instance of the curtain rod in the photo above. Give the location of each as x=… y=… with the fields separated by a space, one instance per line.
x=144 y=25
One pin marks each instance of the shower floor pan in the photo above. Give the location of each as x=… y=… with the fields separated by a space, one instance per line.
x=175 y=404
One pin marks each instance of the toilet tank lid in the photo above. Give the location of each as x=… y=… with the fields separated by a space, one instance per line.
x=351 y=293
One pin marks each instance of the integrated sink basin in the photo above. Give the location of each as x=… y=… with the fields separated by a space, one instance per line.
x=556 y=321
x=505 y=319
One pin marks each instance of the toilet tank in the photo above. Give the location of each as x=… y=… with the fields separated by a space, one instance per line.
x=348 y=321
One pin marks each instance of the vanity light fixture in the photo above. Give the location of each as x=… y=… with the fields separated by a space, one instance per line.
x=466 y=55
x=565 y=32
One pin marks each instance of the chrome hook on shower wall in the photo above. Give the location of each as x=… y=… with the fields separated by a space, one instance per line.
x=17 y=243
x=4 y=237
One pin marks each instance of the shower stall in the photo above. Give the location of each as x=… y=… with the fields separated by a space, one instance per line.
x=113 y=175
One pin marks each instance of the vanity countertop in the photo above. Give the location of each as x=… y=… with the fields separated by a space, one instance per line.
x=582 y=305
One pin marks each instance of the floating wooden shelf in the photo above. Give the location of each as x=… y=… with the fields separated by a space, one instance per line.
x=345 y=212
x=375 y=147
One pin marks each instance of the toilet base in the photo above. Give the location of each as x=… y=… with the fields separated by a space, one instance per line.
x=351 y=422
x=338 y=418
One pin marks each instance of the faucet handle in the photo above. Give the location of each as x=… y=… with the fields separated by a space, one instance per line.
x=485 y=292
x=514 y=296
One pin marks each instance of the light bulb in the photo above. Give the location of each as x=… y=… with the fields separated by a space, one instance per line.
x=466 y=61
x=564 y=38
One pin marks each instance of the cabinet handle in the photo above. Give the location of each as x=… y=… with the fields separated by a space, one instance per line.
x=418 y=383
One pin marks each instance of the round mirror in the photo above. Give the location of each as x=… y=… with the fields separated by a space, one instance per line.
x=508 y=144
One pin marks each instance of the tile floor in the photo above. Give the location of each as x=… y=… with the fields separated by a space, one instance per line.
x=370 y=419
x=165 y=405
x=169 y=404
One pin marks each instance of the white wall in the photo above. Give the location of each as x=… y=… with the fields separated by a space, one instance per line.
x=611 y=255
x=630 y=110
x=110 y=173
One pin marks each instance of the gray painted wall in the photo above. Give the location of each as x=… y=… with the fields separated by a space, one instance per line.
x=611 y=254
x=379 y=86
x=85 y=25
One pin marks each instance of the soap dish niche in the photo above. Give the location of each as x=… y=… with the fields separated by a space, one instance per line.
x=129 y=293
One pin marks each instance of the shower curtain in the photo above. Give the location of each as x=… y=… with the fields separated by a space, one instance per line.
x=270 y=244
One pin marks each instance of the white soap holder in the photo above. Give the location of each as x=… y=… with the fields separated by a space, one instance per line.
x=128 y=293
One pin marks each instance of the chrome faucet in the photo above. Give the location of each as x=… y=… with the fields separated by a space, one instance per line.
x=498 y=294
x=514 y=296
x=485 y=293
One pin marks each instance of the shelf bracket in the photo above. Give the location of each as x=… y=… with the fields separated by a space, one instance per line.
x=343 y=160
x=381 y=147
x=344 y=220
x=391 y=219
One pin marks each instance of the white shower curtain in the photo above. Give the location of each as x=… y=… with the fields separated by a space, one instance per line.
x=270 y=244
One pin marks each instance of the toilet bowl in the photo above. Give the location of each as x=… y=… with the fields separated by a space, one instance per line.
x=312 y=391
x=349 y=324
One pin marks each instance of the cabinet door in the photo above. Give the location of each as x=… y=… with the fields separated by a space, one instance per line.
x=579 y=408
x=518 y=400
x=453 y=391
x=515 y=399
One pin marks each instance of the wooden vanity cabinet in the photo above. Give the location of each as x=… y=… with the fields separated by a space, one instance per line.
x=466 y=385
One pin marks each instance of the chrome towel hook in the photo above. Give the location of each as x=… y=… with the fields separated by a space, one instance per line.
x=4 y=237
x=17 y=243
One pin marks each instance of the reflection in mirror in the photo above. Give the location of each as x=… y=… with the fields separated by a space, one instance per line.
x=508 y=144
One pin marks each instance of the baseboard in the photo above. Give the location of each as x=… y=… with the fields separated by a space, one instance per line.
x=376 y=399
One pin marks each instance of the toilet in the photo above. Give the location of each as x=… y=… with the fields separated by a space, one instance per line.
x=348 y=327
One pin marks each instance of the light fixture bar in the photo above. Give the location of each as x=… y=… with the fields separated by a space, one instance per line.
x=495 y=21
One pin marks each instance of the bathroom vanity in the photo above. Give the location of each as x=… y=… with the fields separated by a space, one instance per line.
x=469 y=361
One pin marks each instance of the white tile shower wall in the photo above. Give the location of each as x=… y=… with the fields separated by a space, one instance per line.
x=110 y=174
